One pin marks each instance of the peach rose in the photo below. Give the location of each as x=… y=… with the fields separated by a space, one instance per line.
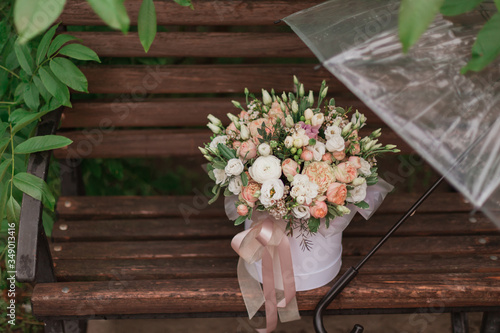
x=357 y=149
x=248 y=193
x=307 y=155
x=339 y=155
x=336 y=193
x=319 y=210
x=275 y=114
x=356 y=161
x=345 y=172
x=247 y=150
x=242 y=210
x=232 y=128
x=236 y=144
x=327 y=158
x=321 y=174
x=290 y=167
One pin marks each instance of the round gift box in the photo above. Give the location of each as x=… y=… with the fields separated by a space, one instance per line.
x=312 y=268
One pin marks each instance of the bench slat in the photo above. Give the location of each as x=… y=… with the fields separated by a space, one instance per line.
x=109 y=143
x=223 y=294
x=90 y=207
x=198 y=44
x=168 y=112
x=193 y=268
x=140 y=80
x=212 y=12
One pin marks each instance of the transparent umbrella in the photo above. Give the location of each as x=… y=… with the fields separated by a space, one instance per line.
x=450 y=119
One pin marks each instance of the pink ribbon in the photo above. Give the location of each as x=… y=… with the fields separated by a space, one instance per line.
x=266 y=240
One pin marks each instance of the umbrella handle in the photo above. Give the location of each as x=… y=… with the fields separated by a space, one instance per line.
x=357 y=329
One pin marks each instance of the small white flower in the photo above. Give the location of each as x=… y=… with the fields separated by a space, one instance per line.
x=318 y=150
x=271 y=191
x=235 y=185
x=218 y=139
x=332 y=131
x=265 y=168
x=220 y=176
x=365 y=168
x=264 y=149
x=300 y=199
x=234 y=167
x=358 y=193
x=214 y=128
x=308 y=114
x=318 y=119
x=301 y=212
x=266 y=98
x=335 y=143
x=289 y=142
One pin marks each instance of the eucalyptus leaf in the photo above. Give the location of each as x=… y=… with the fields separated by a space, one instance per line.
x=31 y=17
x=42 y=143
x=80 y=52
x=146 y=23
x=43 y=47
x=69 y=74
x=112 y=12
x=24 y=58
x=13 y=210
x=55 y=87
x=36 y=188
x=31 y=96
x=59 y=41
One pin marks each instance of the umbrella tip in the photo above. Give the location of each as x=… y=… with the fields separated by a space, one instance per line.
x=277 y=22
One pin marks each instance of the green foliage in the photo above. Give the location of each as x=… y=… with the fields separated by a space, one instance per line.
x=147 y=24
x=416 y=16
x=112 y=12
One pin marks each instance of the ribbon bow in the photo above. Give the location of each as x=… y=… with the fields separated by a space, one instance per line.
x=266 y=240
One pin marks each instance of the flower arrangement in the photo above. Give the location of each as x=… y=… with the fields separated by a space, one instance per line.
x=298 y=162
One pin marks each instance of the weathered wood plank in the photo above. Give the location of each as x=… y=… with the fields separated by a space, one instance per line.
x=223 y=295
x=168 y=112
x=198 y=44
x=109 y=143
x=142 y=80
x=193 y=268
x=212 y=12
x=191 y=207
x=175 y=228
x=221 y=248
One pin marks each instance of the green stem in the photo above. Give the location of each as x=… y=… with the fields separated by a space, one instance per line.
x=13 y=159
x=9 y=71
x=8 y=103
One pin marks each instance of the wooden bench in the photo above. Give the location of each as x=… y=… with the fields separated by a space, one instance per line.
x=156 y=257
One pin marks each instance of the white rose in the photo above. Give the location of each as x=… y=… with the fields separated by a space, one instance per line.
x=301 y=212
x=264 y=149
x=365 y=167
x=235 y=185
x=271 y=191
x=308 y=114
x=317 y=119
x=218 y=139
x=332 y=131
x=358 y=193
x=318 y=150
x=289 y=142
x=220 y=176
x=265 y=168
x=335 y=143
x=234 y=167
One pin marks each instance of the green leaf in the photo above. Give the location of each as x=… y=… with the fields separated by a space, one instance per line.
x=80 y=52
x=41 y=89
x=42 y=143
x=244 y=178
x=48 y=223
x=3 y=169
x=23 y=55
x=313 y=224
x=36 y=188
x=240 y=220
x=31 y=96
x=226 y=152
x=59 y=41
x=43 y=47
x=31 y=17
x=4 y=191
x=4 y=142
x=217 y=193
x=146 y=23
x=487 y=46
x=185 y=3
x=112 y=12
x=457 y=7
x=18 y=114
x=69 y=74
x=13 y=210
x=362 y=204
x=55 y=87
x=26 y=120
x=414 y=18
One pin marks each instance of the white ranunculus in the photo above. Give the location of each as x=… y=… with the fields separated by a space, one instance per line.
x=358 y=193
x=265 y=168
x=289 y=142
x=335 y=143
x=301 y=212
x=317 y=119
x=264 y=149
x=332 y=131
x=271 y=191
x=220 y=176
x=318 y=150
x=365 y=167
x=234 y=167
x=235 y=185
x=218 y=139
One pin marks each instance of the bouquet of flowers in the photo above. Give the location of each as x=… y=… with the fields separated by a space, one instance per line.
x=299 y=162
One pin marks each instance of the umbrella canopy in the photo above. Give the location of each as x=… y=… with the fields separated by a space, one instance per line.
x=450 y=119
